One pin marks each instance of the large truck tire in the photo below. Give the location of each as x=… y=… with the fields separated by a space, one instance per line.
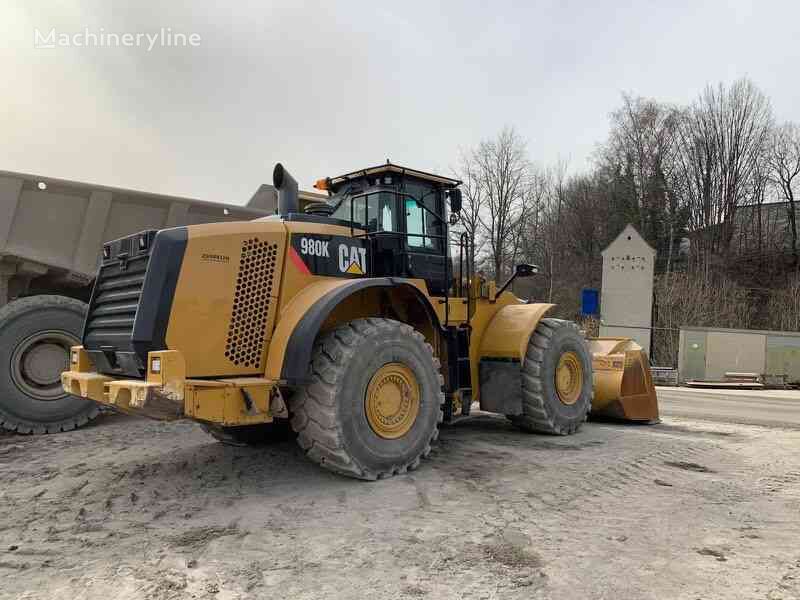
x=35 y=337
x=374 y=403
x=556 y=380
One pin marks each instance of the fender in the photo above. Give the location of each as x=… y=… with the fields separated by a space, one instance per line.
x=299 y=324
x=508 y=333
x=500 y=356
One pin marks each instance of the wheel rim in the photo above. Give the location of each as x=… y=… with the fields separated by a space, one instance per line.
x=392 y=401
x=569 y=378
x=37 y=363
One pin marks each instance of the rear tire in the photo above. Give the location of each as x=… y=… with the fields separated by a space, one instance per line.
x=547 y=406
x=35 y=335
x=374 y=403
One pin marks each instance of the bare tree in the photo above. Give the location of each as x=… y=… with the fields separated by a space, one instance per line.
x=785 y=167
x=784 y=306
x=761 y=179
x=503 y=170
x=531 y=231
x=643 y=136
x=552 y=249
x=708 y=172
x=722 y=139
x=473 y=204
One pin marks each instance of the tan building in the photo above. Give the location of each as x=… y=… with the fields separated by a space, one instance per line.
x=626 y=300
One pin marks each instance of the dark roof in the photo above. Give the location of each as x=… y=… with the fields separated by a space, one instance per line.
x=767 y=205
x=773 y=225
x=391 y=168
x=778 y=212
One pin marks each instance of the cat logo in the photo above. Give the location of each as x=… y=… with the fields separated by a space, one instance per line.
x=352 y=259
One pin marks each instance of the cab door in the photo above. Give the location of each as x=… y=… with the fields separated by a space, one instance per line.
x=425 y=250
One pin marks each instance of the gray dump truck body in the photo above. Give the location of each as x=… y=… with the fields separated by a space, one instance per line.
x=51 y=237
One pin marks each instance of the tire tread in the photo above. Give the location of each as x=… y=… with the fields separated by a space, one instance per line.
x=537 y=415
x=18 y=308
x=314 y=407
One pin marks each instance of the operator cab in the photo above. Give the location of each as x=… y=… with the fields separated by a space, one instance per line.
x=402 y=213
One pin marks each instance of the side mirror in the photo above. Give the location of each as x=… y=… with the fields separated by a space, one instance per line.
x=455 y=200
x=524 y=270
x=521 y=270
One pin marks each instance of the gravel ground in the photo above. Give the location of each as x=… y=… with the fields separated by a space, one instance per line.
x=129 y=508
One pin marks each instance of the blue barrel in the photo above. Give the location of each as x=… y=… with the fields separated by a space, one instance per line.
x=590 y=302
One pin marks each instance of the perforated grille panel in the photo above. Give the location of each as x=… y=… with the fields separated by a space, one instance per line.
x=251 y=304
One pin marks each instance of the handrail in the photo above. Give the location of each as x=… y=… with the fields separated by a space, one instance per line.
x=464 y=248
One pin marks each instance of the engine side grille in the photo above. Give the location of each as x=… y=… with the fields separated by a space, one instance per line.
x=252 y=303
x=116 y=298
x=108 y=329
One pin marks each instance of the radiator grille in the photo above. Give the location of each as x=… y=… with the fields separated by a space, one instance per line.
x=114 y=303
x=251 y=303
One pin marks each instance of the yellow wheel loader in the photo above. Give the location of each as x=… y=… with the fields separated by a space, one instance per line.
x=348 y=322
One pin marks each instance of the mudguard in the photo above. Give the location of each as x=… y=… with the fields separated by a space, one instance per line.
x=501 y=352
x=291 y=346
x=509 y=331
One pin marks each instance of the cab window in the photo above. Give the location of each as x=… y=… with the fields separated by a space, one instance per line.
x=422 y=226
x=343 y=210
x=415 y=225
x=374 y=212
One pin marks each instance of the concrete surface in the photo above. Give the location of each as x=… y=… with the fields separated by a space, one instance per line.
x=751 y=407
x=130 y=509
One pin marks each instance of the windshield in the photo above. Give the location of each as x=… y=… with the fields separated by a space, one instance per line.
x=413 y=209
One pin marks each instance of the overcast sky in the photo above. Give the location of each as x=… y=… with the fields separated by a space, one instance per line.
x=330 y=87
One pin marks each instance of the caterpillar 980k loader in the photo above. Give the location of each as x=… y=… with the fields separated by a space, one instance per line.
x=346 y=321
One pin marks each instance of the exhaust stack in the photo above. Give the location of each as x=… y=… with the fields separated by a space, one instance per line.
x=286 y=185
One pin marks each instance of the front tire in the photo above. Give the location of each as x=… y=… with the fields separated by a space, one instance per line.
x=374 y=403
x=556 y=380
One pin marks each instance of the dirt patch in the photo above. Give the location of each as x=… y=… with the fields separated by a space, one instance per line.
x=413 y=591
x=511 y=555
x=718 y=554
x=694 y=431
x=132 y=510
x=201 y=536
x=688 y=466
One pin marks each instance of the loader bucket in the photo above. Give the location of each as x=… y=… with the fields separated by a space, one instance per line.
x=623 y=385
